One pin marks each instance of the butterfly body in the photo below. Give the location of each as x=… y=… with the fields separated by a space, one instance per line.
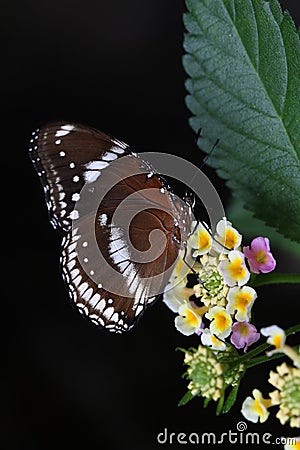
x=122 y=227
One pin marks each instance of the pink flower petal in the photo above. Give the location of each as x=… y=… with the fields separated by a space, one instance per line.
x=243 y=335
x=260 y=243
x=259 y=256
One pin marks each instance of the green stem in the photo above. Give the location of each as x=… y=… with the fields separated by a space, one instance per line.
x=261 y=348
x=292 y=330
x=262 y=359
x=220 y=404
x=274 y=278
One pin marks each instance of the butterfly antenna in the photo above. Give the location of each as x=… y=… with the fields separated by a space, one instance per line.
x=185 y=261
x=198 y=136
x=195 y=227
x=210 y=153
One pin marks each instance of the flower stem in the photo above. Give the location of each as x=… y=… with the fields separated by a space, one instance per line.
x=261 y=348
x=262 y=359
x=274 y=278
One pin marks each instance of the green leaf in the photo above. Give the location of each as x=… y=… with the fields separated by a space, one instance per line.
x=251 y=227
x=220 y=404
x=231 y=399
x=186 y=398
x=243 y=62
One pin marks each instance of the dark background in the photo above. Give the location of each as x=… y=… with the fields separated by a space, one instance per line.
x=116 y=66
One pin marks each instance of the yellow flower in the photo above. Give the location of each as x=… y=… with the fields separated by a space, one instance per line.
x=256 y=408
x=212 y=341
x=227 y=236
x=276 y=337
x=189 y=319
x=176 y=293
x=234 y=270
x=221 y=321
x=241 y=300
x=200 y=240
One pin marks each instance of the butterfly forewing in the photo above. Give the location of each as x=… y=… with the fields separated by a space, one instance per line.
x=65 y=156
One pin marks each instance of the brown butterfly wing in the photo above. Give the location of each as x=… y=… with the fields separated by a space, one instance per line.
x=106 y=264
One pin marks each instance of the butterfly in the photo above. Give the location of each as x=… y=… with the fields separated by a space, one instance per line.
x=107 y=203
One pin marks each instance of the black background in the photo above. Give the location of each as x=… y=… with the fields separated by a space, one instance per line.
x=116 y=66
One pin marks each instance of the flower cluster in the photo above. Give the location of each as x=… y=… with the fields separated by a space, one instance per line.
x=218 y=305
x=210 y=372
x=286 y=380
x=204 y=372
x=210 y=293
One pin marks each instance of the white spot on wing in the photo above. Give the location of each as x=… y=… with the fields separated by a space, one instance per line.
x=101 y=305
x=94 y=300
x=74 y=214
x=68 y=127
x=117 y=243
x=71 y=264
x=103 y=219
x=117 y=150
x=75 y=197
x=74 y=273
x=115 y=317
x=82 y=288
x=123 y=265
x=91 y=176
x=96 y=165
x=109 y=156
x=87 y=295
x=72 y=247
x=139 y=309
x=60 y=133
x=77 y=280
x=108 y=312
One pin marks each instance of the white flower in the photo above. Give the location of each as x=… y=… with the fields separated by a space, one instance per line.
x=212 y=341
x=234 y=270
x=241 y=300
x=256 y=409
x=200 y=240
x=227 y=238
x=276 y=337
x=221 y=321
x=189 y=319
